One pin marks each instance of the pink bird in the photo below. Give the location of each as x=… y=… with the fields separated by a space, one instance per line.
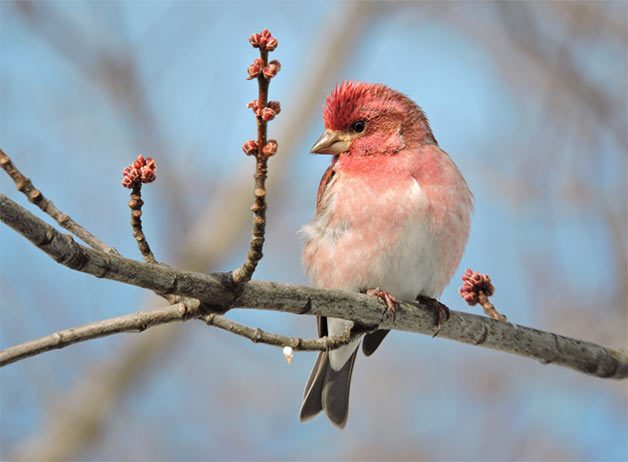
x=392 y=219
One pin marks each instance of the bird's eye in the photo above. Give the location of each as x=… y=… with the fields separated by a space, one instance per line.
x=358 y=126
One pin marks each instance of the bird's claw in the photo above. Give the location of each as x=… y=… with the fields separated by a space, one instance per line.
x=391 y=302
x=441 y=312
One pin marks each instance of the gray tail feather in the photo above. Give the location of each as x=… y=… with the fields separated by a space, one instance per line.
x=328 y=390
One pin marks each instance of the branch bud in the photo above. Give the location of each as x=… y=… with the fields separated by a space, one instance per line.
x=271 y=70
x=271 y=44
x=270 y=148
x=472 y=284
x=141 y=170
x=255 y=68
x=254 y=106
x=275 y=106
x=254 y=40
x=268 y=114
x=250 y=147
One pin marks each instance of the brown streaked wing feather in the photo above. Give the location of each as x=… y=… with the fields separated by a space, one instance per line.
x=327 y=176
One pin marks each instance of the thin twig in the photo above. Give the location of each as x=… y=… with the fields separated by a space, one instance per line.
x=489 y=308
x=262 y=150
x=298 y=344
x=135 y=322
x=216 y=291
x=34 y=195
x=135 y=204
x=182 y=311
x=142 y=170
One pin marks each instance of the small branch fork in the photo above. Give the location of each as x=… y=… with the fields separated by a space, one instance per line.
x=34 y=195
x=265 y=111
x=182 y=311
x=143 y=170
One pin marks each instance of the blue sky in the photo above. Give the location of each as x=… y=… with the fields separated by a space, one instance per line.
x=217 y=396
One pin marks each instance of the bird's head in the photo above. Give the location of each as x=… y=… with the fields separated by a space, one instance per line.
x=370 y=119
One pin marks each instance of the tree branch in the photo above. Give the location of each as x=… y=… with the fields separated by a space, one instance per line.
x=34 y=195
x=182 y=311
x=262 y=149
x=215 y=292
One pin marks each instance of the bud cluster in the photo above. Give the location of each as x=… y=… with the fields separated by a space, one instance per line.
x=250 y=148
x=472 y=284
x=257 y=67
x=263 y=70
x=143 y=170
x=269 y=112
x=264 y=40
x=271 y=70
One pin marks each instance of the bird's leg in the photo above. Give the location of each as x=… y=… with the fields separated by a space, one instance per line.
x=391 y=302
x=440 y=311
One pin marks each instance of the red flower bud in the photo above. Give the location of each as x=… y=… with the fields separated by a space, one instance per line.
x=472 y=284
x=139 y=162
x=255 y=68
x=148 y=171
x=250 y=147
x=266 y=34
x=129 y=176
x=268 y=114
x=264 y=37
x=254 y=40
x=271 y=44
x=271 y=70
x=142 y=169
x=264 y=40
x=254 y=106
x=270 y=148
x=275 y=106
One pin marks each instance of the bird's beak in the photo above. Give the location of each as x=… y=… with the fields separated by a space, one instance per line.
x=330 y=143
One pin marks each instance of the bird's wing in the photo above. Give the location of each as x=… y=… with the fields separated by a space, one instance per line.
x=327 y=176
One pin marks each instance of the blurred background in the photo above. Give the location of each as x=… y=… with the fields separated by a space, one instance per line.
x=530 y=100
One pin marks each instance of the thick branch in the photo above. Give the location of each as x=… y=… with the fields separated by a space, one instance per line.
x=215 y=291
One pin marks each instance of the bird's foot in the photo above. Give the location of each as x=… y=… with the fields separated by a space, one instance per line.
x=391 y=302
x=441 y=312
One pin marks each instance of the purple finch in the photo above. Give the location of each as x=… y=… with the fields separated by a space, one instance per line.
x=392 y=219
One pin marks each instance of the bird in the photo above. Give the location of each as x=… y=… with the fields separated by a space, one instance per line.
x=393 y=215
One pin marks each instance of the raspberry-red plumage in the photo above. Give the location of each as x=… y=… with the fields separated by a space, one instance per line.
x=351 y=101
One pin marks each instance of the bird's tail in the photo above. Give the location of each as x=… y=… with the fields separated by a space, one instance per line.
x=328 y=390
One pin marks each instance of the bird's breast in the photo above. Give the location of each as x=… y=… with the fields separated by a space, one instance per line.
x=371 y=232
